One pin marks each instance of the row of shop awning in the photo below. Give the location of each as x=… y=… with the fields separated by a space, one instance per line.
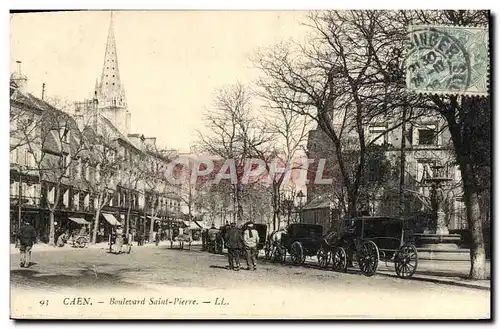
x=79 y=220
x=111 y=219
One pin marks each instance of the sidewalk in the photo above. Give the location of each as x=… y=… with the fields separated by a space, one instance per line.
x=445 y=272
x=453 y=273
x=100 y=245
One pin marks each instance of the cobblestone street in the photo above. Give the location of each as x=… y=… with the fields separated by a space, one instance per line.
x=157 y=269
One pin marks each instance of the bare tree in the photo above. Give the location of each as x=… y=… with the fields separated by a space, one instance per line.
x=54 y=148
x=129 y=178
x=461 y=116
x=350 y=74
x=334 y=79
x=284 y=133
x=235 y=133
x=155 y=179
x=101 y=169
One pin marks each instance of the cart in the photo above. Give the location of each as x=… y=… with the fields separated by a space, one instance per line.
x=300 y=241
x=81 y=239
x=374 y=239
x=215 y=241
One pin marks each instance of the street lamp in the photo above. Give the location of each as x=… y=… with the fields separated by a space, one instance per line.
x=300 y=196
x=288 y=206
x=332 y=208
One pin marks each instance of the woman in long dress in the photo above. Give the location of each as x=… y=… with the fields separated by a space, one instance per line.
x=119 y=239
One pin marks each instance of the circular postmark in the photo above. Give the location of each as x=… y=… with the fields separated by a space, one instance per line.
x=437 y=61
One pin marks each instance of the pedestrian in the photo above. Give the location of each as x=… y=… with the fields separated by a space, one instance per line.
x=62 y=239
x=234 y=244
x=250 y=240
x=26 y=237
x=119 y=239
x=157 y=238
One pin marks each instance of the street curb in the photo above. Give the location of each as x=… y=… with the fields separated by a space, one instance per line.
x=451 y=281
x=42 y=247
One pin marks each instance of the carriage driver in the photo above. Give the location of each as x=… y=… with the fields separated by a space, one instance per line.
x=250 y=240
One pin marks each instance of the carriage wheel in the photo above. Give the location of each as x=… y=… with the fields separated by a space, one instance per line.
x=81 y=242
x=277 y=254
x=406 y=261
x=218 y=246
x=297 y=253
x=268 y=251
x=323 y=258
x=339 y=260
x=368 y=257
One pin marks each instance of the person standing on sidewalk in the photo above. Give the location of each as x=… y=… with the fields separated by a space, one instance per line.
x=233 y=243
x=119 y=239
x=250 y=240
x=26 y=238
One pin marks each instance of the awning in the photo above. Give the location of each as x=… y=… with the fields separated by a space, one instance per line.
x=111 y=219
x=149 y=217
x=192 y=226
x=199 y=224
x=79 y=220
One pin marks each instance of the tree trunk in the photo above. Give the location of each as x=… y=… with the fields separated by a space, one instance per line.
x=96 y=224
x=152 y=224
x=477 y=251
x=52 y=230
x=352 y=201
x=127 y=222
x=52 y=210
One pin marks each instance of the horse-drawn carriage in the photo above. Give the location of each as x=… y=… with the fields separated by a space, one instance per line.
x=215 y=240
x=298 y=240
x=371 y=239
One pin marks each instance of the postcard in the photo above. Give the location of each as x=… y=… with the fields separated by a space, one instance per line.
x=327 y=164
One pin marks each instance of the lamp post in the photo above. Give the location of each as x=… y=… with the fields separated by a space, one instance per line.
x=300 y=196
x=332 y=208
x=288 y=204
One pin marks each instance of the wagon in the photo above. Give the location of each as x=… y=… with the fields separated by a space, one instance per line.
x=215 y=240
x=370 y=240
x=300 y=241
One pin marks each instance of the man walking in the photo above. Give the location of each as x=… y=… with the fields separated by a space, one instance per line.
x=26 y=237
x=233 y=243
x=251 y=239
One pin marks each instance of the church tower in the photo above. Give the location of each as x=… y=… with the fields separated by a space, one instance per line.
x=109 y=91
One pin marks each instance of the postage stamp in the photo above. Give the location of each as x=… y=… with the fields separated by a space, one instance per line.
x=448 y=60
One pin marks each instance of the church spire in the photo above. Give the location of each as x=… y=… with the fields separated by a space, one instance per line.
x=111 y=91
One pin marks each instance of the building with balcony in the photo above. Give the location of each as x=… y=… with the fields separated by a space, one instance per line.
x=84 y=163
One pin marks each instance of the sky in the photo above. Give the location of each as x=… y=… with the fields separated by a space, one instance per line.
x=171 y=62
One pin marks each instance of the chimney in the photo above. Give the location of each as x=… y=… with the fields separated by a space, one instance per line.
x=150 y=141
x=20 y=79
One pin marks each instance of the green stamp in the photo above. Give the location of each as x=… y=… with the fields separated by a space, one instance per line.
x=448 y=60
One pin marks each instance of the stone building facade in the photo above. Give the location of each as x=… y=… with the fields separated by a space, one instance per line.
x=103 y=165
x=427 y=144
